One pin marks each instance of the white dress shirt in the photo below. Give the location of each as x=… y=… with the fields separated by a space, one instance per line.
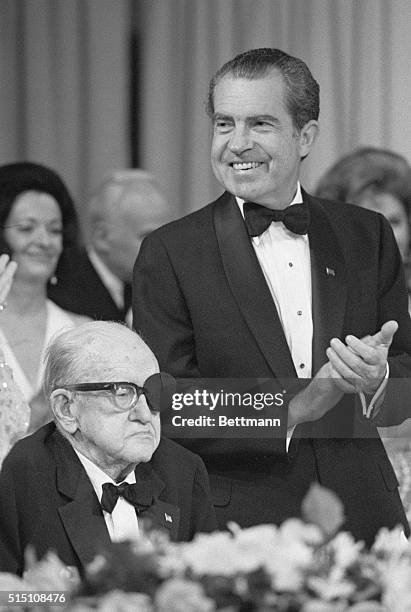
x=284 y=258
x=122 y=523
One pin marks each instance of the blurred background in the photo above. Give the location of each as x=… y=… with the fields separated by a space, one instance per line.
x=92 y=85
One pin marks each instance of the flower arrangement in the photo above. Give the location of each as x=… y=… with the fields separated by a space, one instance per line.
x=304 y=565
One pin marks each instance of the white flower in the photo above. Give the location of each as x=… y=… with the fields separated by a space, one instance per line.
x=118 y=601
x=346 y=550
x=211 y=554
x=11 y=582
x=178 y=595
x=330 y=588
x=288 y=577
x=256 y=546
x=291 y=554
x=317 y=605
x=391 y=542
x=396 y=581
x=49 y=573
x=295 y=529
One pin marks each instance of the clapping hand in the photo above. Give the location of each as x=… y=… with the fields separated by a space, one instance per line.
x=7 y=270
x=360 y=365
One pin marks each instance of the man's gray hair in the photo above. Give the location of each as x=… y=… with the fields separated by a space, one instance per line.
x=114 y=186
x=69 y=352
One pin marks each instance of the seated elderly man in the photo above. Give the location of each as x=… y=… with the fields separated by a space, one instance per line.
x=101 y=468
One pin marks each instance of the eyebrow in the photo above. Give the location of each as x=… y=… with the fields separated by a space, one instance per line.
x=250 y=119
x=34 y=220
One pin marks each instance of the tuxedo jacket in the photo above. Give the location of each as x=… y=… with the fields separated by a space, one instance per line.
x=48 y=501
x=204 y=307
x=80 y=289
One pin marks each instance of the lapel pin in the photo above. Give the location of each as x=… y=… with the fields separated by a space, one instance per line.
x=168 y=518
x=330 y=272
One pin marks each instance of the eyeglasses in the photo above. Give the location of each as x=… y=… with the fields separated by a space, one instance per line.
x=157 y=390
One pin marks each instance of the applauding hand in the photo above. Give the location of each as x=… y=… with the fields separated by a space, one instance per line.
x=360 y=365
x=7 y=270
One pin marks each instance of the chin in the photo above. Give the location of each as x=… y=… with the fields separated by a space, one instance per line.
x=144 y=456
x=145 y=451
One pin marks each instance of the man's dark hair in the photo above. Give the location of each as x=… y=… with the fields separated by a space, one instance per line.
x=302 y=90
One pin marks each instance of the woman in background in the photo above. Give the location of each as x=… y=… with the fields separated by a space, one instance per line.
x=379 y=180
x=37 y=222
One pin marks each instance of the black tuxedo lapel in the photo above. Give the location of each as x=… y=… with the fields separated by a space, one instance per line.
x=82 y=516
x=329 y=284
x=249 y=288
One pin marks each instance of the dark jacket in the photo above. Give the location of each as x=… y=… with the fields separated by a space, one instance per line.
x=80 y=289
x=48 y=501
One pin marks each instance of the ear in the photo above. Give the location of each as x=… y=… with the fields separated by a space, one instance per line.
x=64 y=411
x=308 y=135
x=99 y=235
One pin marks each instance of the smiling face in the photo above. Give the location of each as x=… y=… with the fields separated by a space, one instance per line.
x=34 y=233
x=116 y=441
x=256 y=150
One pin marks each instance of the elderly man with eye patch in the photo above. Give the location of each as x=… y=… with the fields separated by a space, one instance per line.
x=100 y=471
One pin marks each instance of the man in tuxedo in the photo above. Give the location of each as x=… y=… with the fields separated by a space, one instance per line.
x=268 y=282
x=100 y=472
x=96 y=281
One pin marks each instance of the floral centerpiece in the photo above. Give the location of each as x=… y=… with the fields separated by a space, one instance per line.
x=305 y=565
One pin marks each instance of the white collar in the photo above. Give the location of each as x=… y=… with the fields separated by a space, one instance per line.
x=114 y=285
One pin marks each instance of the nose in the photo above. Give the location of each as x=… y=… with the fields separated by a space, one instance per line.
x=140 y=411
x=240 y=140
x=42 y=236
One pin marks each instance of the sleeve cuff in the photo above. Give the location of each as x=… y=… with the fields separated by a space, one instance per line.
x=290 y=432
x=371 y=410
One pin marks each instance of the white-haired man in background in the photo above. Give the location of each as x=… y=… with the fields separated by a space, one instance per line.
x=95 y=280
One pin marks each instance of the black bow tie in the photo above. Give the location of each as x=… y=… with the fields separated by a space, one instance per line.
x=257 y=218
x=139 y=495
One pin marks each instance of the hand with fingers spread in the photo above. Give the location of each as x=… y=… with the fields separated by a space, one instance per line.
x=7 y=270
x=360 y=365
x=15 y=412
